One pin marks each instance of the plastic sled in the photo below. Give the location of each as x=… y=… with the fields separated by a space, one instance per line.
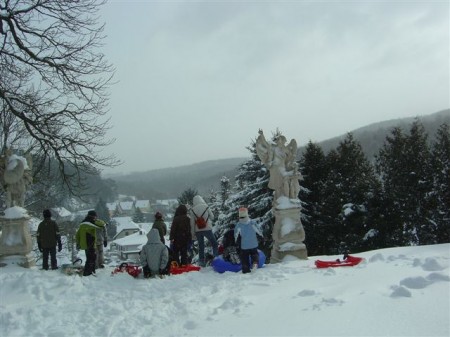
x=221 y=266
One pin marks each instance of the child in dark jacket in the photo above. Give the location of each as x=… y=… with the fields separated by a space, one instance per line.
x=180 y=235
x=48 y=237
x=230 y=248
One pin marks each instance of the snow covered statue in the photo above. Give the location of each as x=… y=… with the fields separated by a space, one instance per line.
x=288 y=233
x=15 y=239
x=15 y=177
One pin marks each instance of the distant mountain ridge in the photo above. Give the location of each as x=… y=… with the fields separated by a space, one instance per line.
x=171 y=182
x=372 y=137
x=205 y=176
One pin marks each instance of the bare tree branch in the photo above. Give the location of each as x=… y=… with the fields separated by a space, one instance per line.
x=54 y=82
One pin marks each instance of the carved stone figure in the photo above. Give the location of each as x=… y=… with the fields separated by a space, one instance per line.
x=281 y=161
x=15 y=173
x=287 y=233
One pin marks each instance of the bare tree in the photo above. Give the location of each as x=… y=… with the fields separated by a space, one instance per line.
x=54 y=83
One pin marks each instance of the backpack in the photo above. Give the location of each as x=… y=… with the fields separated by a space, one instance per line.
x=199 y=220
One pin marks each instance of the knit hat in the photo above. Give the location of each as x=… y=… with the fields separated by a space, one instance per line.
x=92 y=213
x=46 y=213
x=158 y=215
x=243 y=213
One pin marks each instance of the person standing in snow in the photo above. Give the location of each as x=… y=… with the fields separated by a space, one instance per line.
x=161 y=226
x=101 y=242
x=201 y=209
x=154 y=256
x=180 y=235
x=48 y=237
x=247 y=230
x=86 y=238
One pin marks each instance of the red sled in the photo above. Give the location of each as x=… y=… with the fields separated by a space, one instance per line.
x=132 y=269
x=348 y=261
x=175 y=269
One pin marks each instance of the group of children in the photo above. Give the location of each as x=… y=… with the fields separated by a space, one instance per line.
x=240 y=245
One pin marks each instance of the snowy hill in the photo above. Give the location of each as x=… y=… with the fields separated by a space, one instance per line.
x=395 y=292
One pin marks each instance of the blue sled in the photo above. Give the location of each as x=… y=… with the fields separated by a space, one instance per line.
x=221 y=266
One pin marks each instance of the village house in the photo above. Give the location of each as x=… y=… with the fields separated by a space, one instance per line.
x=143 y=205
x=125 y=226
x=127 y=207
x=128 y=247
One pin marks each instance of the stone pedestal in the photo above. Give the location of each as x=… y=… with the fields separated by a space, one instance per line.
x=288 y=235
x=15 y=242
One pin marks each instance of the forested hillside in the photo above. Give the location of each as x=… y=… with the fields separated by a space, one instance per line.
x=205 y=176
x=371 y=137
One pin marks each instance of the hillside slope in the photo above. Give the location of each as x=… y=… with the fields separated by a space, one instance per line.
x=205 y=176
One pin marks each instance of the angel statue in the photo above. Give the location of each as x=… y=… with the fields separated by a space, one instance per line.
x=281 y=162
x=15 y=175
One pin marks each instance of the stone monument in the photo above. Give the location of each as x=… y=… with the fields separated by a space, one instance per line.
x=15 y=240
x=288 y=233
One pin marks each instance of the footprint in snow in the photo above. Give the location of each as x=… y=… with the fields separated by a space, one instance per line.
x=377 y=257
x=431 y=264
x=418 y=282
x=306 y=293
x=190 y=325
x=399 y=291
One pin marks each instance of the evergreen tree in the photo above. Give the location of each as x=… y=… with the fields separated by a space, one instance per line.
x=313 y=166
x=349 y=187
x=214 y=204
x=103 y=213
x=404 y=164
x=225 y=189
x=102 y=210
x=389 y=166
x=187 y=197
x=420 y=184
x=441 y=184
x=138 y=216
x=116 y=212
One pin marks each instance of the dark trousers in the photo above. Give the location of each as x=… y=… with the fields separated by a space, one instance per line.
x=45 y=253
x=180 y=254
x=246 y=255
x=89 y=266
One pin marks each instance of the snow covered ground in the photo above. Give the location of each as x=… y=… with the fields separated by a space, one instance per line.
x=394 y=292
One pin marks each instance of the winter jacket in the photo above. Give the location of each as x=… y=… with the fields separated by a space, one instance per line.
x=199 y=206
x=180 y=231
x=228 y=238
x=161 y=226
x=154 y=253
x=101 y=231
x=248 y=230
x=48 y=234
x=86 y=235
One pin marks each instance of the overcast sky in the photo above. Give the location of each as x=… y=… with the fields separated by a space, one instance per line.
x=197 y=79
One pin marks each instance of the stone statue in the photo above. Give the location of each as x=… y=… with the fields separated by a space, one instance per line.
x=281 y=161
x=15 y=174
